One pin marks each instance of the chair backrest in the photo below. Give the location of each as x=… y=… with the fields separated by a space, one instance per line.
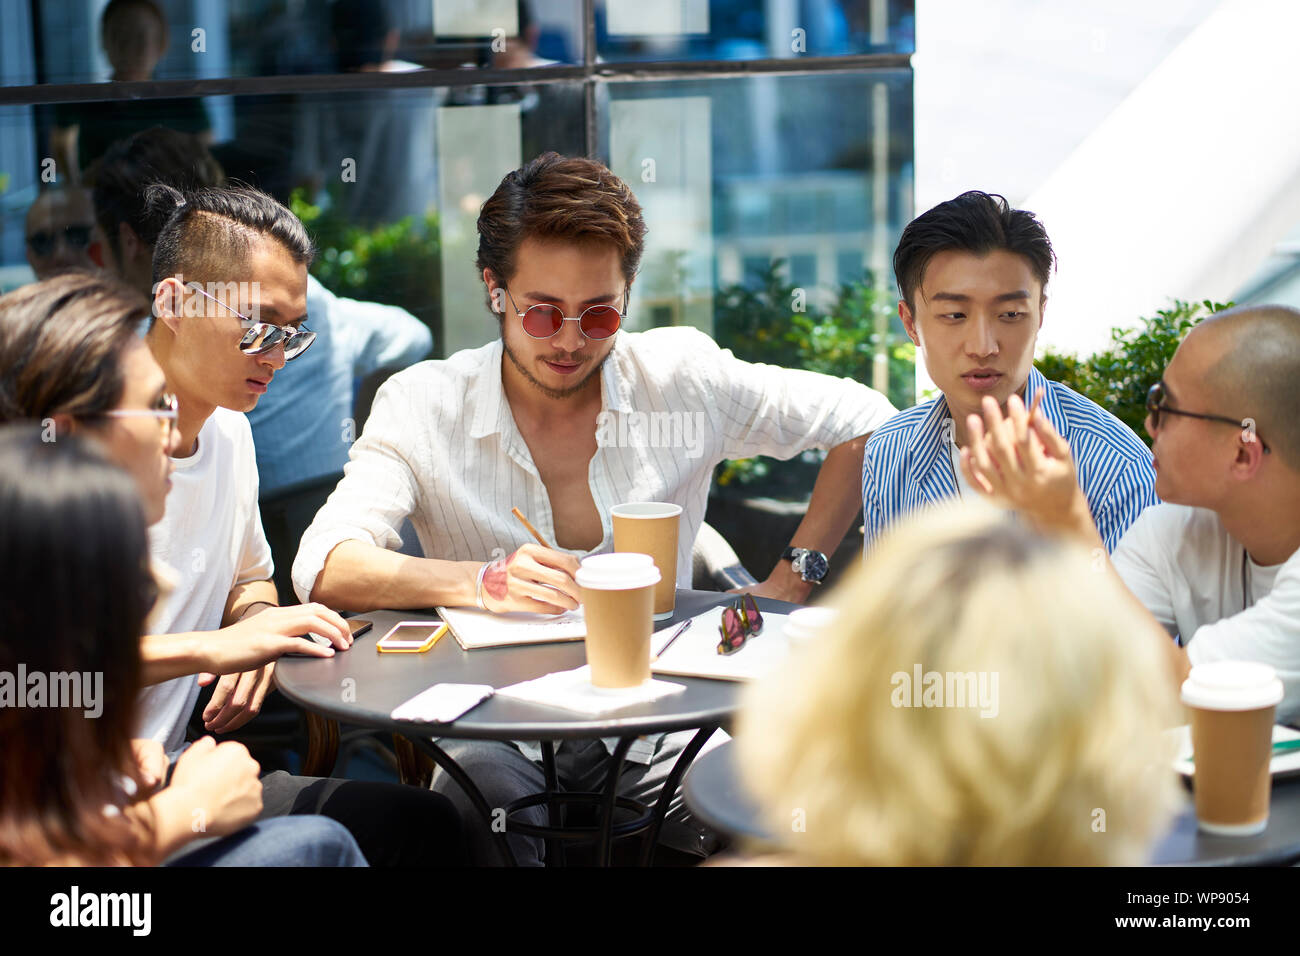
x=286 y=514
x=367 y=390
x=714 y=563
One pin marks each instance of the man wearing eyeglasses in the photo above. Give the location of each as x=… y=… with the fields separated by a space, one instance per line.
x=1218 y=562
x=60 y=232
x=554 y=418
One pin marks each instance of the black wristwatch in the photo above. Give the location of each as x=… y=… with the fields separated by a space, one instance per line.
x=809 y=565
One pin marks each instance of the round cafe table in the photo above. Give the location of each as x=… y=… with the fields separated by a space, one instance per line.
x=361 y=687
x=714 y=792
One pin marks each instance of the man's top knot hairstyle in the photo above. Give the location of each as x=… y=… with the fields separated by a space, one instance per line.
x=209 y=231
x=974 y=222
x=563 y=199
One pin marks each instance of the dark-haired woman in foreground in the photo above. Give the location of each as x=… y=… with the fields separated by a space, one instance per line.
x=76 y=587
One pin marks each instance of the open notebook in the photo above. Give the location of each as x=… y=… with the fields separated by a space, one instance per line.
x=695 y=653
x=473 y=628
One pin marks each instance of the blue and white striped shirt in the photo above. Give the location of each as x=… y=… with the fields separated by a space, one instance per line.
x=907 y=465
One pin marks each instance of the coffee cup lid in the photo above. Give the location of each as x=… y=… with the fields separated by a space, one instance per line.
x=1232 y=685
x=620 y=571
x=646 y=509
x=808 y=622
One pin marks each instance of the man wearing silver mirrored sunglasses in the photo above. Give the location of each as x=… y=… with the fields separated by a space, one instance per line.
x=230 y=297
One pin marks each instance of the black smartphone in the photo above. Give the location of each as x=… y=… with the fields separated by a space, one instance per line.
x=356 y=625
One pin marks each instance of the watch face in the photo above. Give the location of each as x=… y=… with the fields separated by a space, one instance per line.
x=814 y=566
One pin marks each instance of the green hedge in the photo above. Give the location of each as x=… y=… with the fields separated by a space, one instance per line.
x=769 y=320
x=1117 y=378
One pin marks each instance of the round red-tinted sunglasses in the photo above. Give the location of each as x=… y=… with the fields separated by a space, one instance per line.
x=740 y=622
x=595 y=322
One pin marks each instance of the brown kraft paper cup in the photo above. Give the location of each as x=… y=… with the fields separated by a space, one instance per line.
x=651 y=527
x=617 y=600
x=1232 y=750
x=1232 y=706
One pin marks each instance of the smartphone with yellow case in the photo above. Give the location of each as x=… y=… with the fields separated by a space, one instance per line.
x=411 y=637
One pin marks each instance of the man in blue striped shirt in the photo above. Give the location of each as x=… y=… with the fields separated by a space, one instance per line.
x=972 y=273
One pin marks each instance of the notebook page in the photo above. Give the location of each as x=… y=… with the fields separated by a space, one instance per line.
x=474 y=628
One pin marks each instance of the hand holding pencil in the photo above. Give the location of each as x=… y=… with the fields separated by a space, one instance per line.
x=535 y=578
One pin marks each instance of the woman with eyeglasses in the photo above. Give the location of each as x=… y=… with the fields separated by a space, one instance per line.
x=75 y=788
x=72 y=361
x=72 y=364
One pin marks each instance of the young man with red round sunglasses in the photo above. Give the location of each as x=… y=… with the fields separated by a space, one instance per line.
x=552 y=419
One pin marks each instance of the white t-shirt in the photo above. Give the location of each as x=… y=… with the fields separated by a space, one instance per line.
x=211 y=536
x=964 y=489
x=1182 y=564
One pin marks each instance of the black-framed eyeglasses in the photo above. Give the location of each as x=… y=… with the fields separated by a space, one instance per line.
x=1156 y=397
x=740 y=622
x=263 y=336
x=44 y=241
x=596 y=321
x=166 y=410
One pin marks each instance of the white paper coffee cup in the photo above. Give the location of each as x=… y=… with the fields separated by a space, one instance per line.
x=618 y=602
x=809 y=623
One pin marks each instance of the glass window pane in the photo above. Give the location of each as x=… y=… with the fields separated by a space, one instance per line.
x=773 y=212
x=199 y=39
x=633 y=30
x=388 y=182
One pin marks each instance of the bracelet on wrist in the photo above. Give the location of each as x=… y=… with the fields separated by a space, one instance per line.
x=478 y=587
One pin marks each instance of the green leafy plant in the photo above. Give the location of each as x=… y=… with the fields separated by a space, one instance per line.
x=396 y=264
x=1117 y=378
x=770 y=321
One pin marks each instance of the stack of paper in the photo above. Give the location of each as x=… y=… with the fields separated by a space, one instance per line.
x=474 y=628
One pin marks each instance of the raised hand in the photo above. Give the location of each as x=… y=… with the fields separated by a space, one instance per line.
x=1021 y=462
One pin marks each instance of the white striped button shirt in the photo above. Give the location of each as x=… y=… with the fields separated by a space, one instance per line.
x=907 y=463
x=441 y=446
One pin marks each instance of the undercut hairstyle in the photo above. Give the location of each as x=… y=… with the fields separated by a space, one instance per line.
x=157 y=155
x=552 y=198
x=212 y=230
x=61 y=345
x=75 y=591
x=1257 y=376
x=974 y=222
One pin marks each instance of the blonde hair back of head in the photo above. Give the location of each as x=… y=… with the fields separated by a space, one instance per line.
x=1045 y=742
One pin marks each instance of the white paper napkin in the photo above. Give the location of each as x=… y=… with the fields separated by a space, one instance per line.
x=573 y=690
x=443 y=703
